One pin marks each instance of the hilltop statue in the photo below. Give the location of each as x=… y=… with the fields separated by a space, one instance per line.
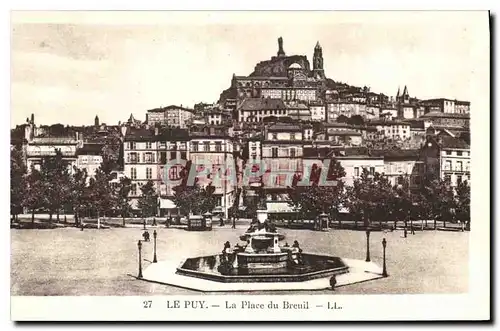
x=281 y=52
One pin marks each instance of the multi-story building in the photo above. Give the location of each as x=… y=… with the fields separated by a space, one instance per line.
x=401 y=163
x=39 y=145
x=446 y=106
x=213 y=146
x=178 y=116
x=89 y=157
x=173 y=154
x=217 y=117
x=282 y=155
x=348 y=108
x=392 y=129
x=318 y=111
x=446 y=157
x=141 y=160
x=448 y=119
x=256 y=109
x=156 y=116
x=298 y=111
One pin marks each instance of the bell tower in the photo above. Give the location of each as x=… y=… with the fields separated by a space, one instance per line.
x=281 y=51
x=318 y=70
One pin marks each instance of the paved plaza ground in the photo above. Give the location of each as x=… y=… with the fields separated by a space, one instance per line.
x=68 y=261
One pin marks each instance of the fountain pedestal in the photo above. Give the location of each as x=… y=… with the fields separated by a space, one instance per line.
x=262 y=252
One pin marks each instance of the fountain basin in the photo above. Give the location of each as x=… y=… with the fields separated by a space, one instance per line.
x=313 y=266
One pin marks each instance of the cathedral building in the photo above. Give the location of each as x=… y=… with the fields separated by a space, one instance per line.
x=288 y=78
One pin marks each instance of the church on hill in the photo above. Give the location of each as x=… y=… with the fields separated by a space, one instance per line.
x=289 y=78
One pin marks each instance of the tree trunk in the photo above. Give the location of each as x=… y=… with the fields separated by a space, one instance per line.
x=33 y=217
x=57 y=215
x=50 y=217
x=435 y=224
x=98 y=220
x=123 y=220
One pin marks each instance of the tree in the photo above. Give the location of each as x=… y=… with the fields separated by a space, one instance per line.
x=342 y=119
x=438 y=199
x=318 y=198
x=78 y=192
x=55 y=174
x=356 y=120
x=35 y=197
x=17 y=182
x=148 y=201
x=405 y=204
x=100 y=194
x=369 y=197
x=193 y=198
x=122 y=197
x=463 y=202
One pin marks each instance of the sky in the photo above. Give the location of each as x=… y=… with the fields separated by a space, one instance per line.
x=69 y=67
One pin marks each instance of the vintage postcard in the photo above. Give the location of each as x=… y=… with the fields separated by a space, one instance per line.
x=250 y=166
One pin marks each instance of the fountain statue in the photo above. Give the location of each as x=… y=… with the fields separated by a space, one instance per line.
x=261 y=258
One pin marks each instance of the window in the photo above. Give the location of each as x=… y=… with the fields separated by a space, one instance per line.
x=274 y=152
x=173 y=155
x=133 y=173
x=292 y=136
x=133 y=189
x=218 y=147
x=447 y=178
x=356 y=171
x=131 y=145
x=149 y=158
x=163 y=157
x=447 y=165
x=206 y=147
x=459 y=166
x=132 y=158
x=292 y=152
x=195 y=146
x=183 y=156
x=148 y=145
x=459 y=179
x=372 y=171
x=468 y=166
x=448 y=152
x=275 y=136
x=149 y=173
x=459 y=153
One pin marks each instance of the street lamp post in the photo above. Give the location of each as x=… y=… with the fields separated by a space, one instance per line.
x=154 y=247
x=384 y=268
x=368 y=245
x=139 y=245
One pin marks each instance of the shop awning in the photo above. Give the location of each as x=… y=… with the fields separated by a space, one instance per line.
x=167 y=204
x=279 y=207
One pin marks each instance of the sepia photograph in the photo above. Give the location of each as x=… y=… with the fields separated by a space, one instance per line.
x=301 y=156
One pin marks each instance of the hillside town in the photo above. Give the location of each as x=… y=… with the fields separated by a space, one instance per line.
x=285 y=116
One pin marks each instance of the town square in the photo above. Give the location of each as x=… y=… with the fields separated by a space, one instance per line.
x=332 y=159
